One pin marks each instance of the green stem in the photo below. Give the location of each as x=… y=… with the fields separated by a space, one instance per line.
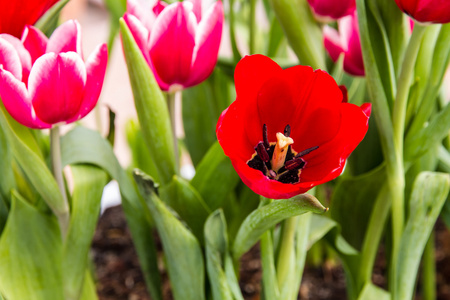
x=398 y=120
x=55 y=151
x=286 y=250
x=171 y=102
x=373 y=235
x=429 y=271
x=252 y=27
x=236 y=54
x=270 y=286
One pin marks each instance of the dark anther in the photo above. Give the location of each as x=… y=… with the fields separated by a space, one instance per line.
x=304 y=152
x=262 y=152
x=295 y=164
x=272 y=174
x=265 y=137
x=287 y=130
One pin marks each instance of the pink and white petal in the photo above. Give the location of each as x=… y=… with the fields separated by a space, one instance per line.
x=333 y=42
x=95 y=70
x=9 y=58
x=24 y=55
x=141 y=36
x=34 y=41
x=67 y=37
x=17 y=101
x=142 y=11
x=197 y=9
x=159 y=7
x=172 y=42
x=56 y=86
x=207 y=43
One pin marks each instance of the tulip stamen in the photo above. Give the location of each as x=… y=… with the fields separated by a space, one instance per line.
x=279 y=154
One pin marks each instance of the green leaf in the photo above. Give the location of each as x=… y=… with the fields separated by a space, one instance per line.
x=267 y=216
x=89 y=182
x=151 y=108
x=30 y=254
x=418 y=144
x=7 y=183
x=216 y=242
x=215 y=177
x=182 y=250
x=188 y=203
x=373 y=292
x=428 y=196
x=84 y=146
x=89 y=291
x=49 y=21
x=276 y=37
x=301 y=30
x=34 y=167
x=352 y=202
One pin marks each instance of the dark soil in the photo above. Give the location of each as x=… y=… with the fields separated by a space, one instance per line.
x=119 y=276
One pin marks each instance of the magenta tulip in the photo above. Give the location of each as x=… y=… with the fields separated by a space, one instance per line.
x=15 y=14
x=178 y=41
x=329 y=10
x=46 y=81
x=346 y=42
x=426 y=11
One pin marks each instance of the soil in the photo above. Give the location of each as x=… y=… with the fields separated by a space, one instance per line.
x=119 y=276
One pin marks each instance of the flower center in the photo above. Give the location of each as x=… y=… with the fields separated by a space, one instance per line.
x=277 y=160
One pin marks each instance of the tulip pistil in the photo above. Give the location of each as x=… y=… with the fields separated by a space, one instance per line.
x=277 y=160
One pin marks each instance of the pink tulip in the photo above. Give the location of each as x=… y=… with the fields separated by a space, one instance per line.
x=346 y=42
x=46 y=81
x=426 y=11
x=329 y=10
x=179 y=43
x=15 y=14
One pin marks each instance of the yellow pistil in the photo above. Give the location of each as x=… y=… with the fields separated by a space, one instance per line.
x=280 y=151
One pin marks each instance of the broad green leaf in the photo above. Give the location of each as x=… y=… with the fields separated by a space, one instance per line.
x=7 y=183
x=352 y=202
x=269 y=275
x=301 y=30
x=84 y=146
x=232 y=279
x=49 y=21
x=216 y=244
x=30 y=254
x=215 y=177
x=188 y=203
x=182 y=250
x=139 y=152
x=34 y=167
x=276 y=37
x=89 y=291
x=433 y=134
x=428 y=196
x=373 y=292
x=381 y=96
x=267 y=216
x=89 y=182
x=151 y=108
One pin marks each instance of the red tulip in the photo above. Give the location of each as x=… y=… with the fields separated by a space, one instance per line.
x=16 y=14
x=288 y=130
x=179 y=43
x=46 y=81
x=346 y=42
x=329 y=10
x=426 y=11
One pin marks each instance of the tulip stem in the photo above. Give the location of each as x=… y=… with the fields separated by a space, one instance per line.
x=171 y=102
x=55 y=151
x=285 y=256
x=252 y=27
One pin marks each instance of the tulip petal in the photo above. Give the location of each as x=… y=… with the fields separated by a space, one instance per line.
x=142 y=11
x=56 y=85
x=333 y=9
x=35 y=42
x=141 y=36
x=197 y=9
x=9 y=58
x=17 y=101
x=95 y=69
x=67 y=37
x=207 y=43
x=172 y=43
x=333 y=42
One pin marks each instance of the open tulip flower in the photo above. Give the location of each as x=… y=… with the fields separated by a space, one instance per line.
x=179 y=43
x=346 y=42
x=328 y=10
x=288 y=130
x=14 y=15
x=46 y=81
x=426 y=11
